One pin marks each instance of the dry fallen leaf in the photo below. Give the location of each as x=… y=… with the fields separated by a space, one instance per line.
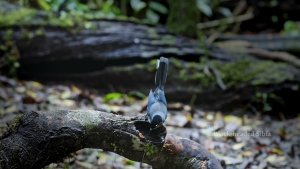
x=238 y=146
x=276 y=160
x=276 y=151
x=233 y=119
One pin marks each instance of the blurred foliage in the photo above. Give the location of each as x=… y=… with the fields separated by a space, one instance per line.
x=118 y=98
x=194 y=12
x=212 y=7
x=151 y=10
x=188 y=21
x=180 y=16
x=147 y=11
x=137 y=95
x=112 y=96
x=291 y=28
x=263 y=99
x=9 y=62
x=20 y=16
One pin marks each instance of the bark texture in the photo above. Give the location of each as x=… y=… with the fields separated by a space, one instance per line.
x=46 y=50
x=39 y=138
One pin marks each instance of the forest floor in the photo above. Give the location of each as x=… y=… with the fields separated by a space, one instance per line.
x=243 y=140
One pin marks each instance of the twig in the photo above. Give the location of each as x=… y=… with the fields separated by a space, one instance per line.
x=228 y=20
x=282 y=56
x=218 y=77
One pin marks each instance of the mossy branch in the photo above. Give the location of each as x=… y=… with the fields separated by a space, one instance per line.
x=40 y=138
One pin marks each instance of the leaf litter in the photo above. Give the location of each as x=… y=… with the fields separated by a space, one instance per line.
x=242 y=141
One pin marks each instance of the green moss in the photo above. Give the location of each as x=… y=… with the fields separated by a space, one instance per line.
x=66 y=21
x=233 y=74
x=27 y=34
x=16 y=121
x=129 y=162
x=168 y=40
x=40 y=32
x=26 y=16
x=152 y=65
x=137 y=144
x=114 y=146
x=177 y=64
x=16 y=17
x=152 y=33
x=10 y=58
x=164 y=40
x=151 y=150
x=192 y=73
x=253 y=72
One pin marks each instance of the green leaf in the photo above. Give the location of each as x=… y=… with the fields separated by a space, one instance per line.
x=112 y=96
x=158 y=7
x=137 y=5
x=225 y=11
x=203 y=6
x=55 y=4
x=137 y=94
x=44 y=5
x=152 y=16
x=291 y=28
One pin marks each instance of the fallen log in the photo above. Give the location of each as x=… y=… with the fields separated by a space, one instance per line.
x=40 y=138
x=114 y=56
x=111 y=43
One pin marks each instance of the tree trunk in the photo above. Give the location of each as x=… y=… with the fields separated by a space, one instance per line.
x=40 y=138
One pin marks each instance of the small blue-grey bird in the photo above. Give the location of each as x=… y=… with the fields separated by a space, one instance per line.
x=157 y=103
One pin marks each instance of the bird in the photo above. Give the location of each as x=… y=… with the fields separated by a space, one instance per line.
x=157 y=103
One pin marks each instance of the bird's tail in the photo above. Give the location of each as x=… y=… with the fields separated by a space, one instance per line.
x=161 y=73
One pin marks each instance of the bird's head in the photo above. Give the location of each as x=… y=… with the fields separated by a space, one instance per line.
x=156 y=121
